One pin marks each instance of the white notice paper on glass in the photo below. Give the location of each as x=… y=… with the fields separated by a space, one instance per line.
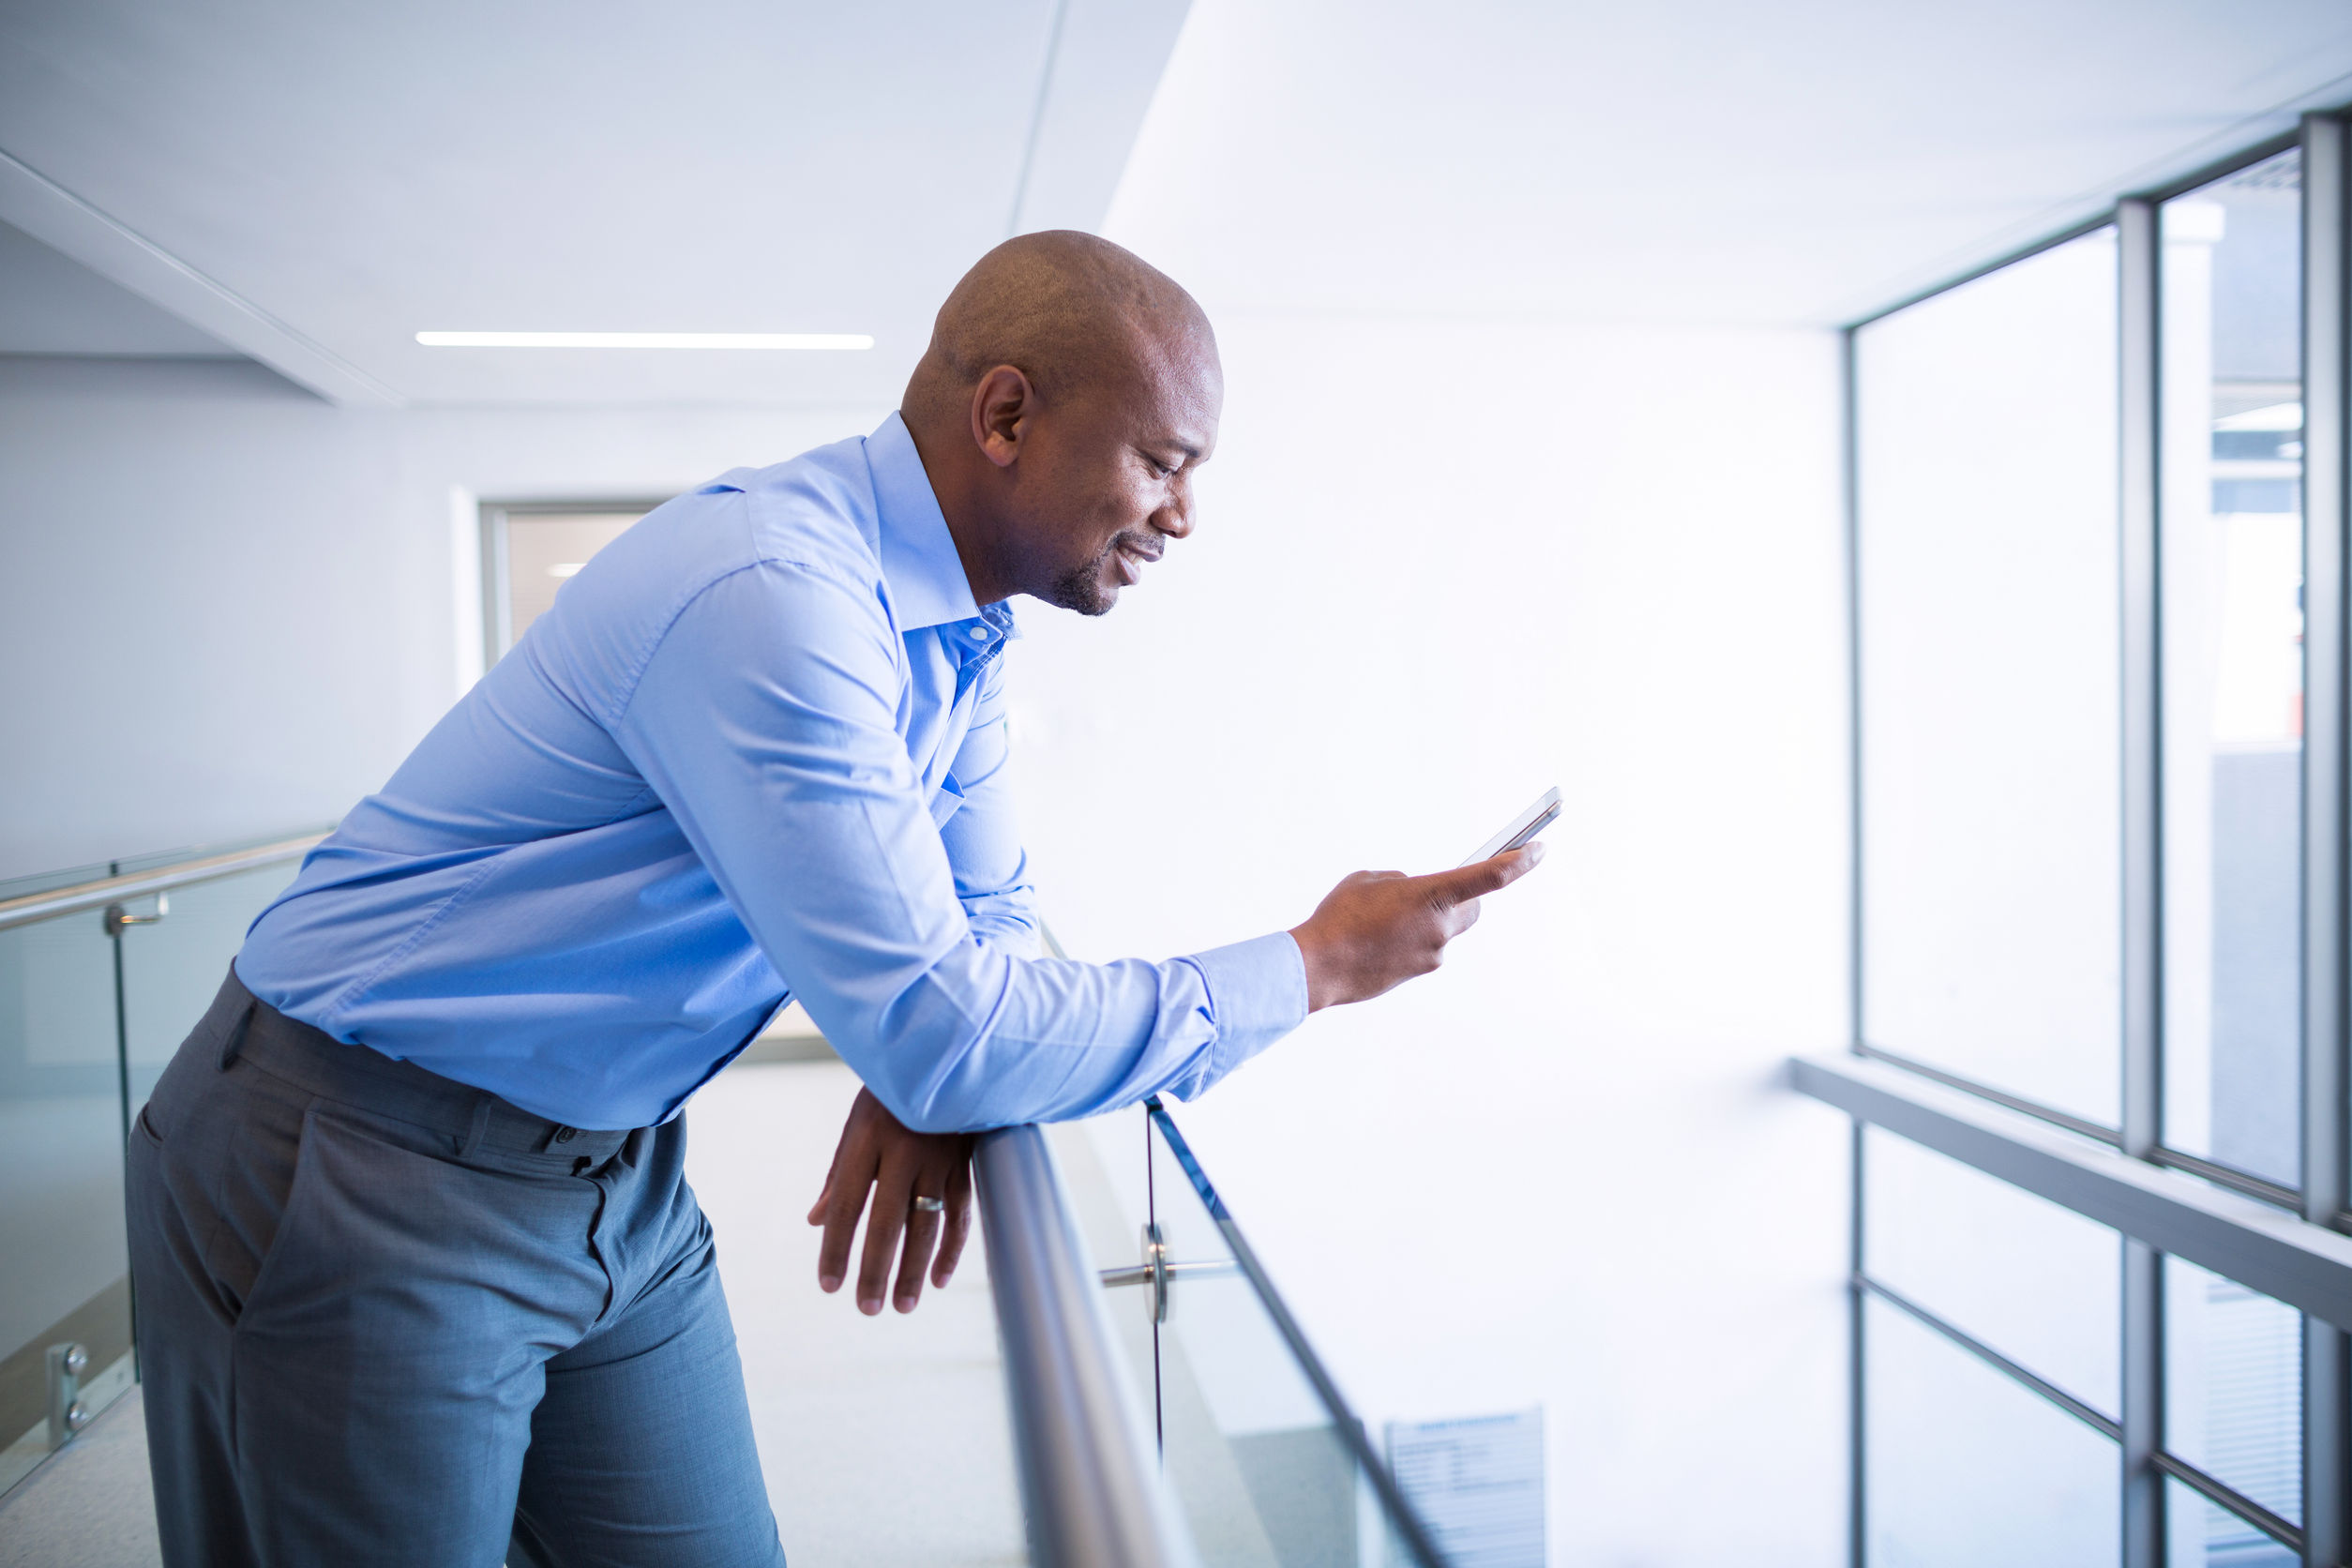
x=1477 y=1481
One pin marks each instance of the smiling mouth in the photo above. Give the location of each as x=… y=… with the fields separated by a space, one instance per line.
x=1130 y=557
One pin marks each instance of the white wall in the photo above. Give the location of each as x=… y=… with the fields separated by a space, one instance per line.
x=227 y=607
x=1440 y=567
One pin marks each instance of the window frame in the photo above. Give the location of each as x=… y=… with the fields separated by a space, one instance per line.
x=2290 y=1244
x=497 y=574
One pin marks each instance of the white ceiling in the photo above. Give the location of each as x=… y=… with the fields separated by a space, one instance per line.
x=350 y=175
x=312 y=185
x=49 y=304
x=1717 y=161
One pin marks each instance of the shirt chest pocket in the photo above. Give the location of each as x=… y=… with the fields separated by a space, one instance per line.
x=946 y=802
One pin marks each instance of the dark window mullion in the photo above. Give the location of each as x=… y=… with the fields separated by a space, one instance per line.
x=2327 y=401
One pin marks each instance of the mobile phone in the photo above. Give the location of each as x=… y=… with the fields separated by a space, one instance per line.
x=1524 y=826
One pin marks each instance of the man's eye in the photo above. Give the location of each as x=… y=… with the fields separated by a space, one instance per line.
x=1159 y=470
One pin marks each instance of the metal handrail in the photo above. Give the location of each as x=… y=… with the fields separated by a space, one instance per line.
x=138 y=885
x=1091 y=1487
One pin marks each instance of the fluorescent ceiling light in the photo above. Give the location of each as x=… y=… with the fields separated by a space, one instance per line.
x=645 y=340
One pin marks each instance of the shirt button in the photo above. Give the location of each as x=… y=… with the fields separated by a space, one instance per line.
x=980 y=634
x=565 y=1135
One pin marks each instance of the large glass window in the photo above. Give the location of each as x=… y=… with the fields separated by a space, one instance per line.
x=2037 y=1283
x=2234 y=1386
x=1968 y=1467
x=1986 y=465
x=2199 y=1535
x=2083 y=688
x=2232 y=565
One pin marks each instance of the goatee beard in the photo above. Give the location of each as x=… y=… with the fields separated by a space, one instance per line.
x=1081 y=588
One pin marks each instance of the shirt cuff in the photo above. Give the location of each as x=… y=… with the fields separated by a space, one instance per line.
x=1257 y=994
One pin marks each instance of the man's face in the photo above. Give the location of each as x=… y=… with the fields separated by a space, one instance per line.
x=1105 y=481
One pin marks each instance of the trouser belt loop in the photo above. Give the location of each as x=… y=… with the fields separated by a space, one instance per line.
x=481 y=1125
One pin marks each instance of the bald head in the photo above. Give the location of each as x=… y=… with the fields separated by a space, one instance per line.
x=1068 y=392
x=1074 y=312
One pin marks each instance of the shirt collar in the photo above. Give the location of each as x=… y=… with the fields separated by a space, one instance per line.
x=927 y=586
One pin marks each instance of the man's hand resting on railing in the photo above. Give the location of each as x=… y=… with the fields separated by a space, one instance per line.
x=1378 y=929
x=908 y=1172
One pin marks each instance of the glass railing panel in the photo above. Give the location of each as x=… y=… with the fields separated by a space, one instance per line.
x=173 y=968
x=50 y=881
x=63 y=1277
x=1109 y=1200
x=169 y=860
x=1268 y=1464
x=88 y=1020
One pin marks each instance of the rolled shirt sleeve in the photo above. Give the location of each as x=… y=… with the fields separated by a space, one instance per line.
x=764 y=719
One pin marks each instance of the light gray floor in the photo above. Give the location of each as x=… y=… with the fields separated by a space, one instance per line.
x=884 y=1440
x=89 y=1506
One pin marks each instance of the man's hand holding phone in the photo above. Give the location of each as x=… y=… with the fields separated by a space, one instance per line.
x=1378 y=929
x=1371 y=933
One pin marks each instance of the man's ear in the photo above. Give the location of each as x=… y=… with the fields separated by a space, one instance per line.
x=1001 y=405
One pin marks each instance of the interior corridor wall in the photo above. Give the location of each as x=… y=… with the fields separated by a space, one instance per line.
x=1438 y=568
x=228 y=608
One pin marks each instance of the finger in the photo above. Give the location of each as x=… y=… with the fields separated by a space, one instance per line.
x=851 y=1133
x=885 y=1222
x=1482 y=877
x=957 y=1230
x=824 y=1194
x=922 y=1228
x=848 y=1200
x=846 y=1193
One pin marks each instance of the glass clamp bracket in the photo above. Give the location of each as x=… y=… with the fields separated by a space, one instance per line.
x=1159 y=1273
x=67 y=1414
x=118 y=915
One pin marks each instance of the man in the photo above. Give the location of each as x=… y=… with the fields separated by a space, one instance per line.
x=419 y=1278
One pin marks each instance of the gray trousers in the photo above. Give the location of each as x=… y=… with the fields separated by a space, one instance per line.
x=388 y=1319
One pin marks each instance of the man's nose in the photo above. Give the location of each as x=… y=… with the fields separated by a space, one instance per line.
x=1174 y=518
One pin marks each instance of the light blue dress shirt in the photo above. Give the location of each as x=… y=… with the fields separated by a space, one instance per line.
x=755 y=752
